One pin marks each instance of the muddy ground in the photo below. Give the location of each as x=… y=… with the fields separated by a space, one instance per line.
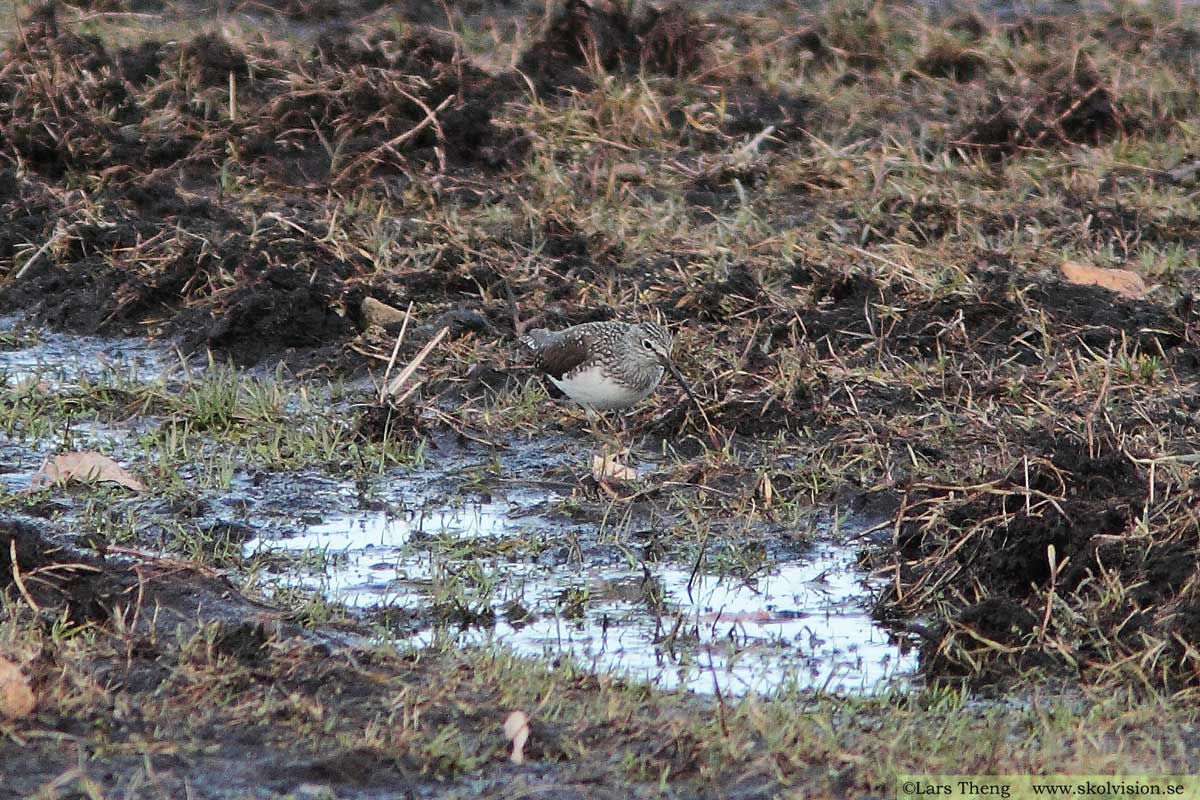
x=854 y=218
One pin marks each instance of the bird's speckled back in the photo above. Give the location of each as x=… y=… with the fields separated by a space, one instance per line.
x=626 y=353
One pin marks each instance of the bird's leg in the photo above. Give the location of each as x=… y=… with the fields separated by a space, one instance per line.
x=593 y=419
x=614 y=436
x=624 y=436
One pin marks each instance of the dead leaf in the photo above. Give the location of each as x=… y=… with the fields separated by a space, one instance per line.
x=516 y=730
x=84 y=466
x=16 y=698
x=1122 y=281
x=608 y=468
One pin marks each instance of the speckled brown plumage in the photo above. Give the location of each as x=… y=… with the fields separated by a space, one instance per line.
x=602 y=365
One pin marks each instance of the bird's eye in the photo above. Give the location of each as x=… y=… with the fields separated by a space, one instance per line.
x=648 y=344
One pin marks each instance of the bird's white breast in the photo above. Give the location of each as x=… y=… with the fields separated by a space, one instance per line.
x=592 y=388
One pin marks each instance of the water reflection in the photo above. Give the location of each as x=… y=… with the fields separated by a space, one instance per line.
x=805 y=624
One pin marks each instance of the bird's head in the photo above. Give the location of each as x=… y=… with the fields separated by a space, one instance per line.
x=653 y=342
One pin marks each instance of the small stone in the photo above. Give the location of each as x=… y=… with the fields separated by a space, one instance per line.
x=379 y=313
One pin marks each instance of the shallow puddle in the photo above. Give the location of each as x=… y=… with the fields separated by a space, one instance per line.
x=802 y=625
x=519 y=570
x=48 y=365
x=57 y=358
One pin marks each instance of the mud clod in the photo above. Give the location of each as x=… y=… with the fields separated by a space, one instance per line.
x=671 y=41
x=244 y=642
x=1062 y=103
x=280 y=310
x=674 y=41
x=354 y=768
x=953 y=62
x=1000 y=620
x=1094 y=500
x=581 y=30
x=212 y=59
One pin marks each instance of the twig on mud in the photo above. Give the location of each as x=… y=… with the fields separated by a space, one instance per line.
x=1056 y=125
x=991 y=487
x=395 y=350
x=109 y=15
x=141 y=595
x=1090 y=419
x=1028 y=499
x=991 y=643
x=60 y=231
x=16 y=573
x=321 y=242
x=519 y=326
x=356 y=348
x=905 y=271
x=923 y=631
x=750 y=150
x=1055 y=568
x=699 y=563
x=876 y=528
x=429 y=119
x=1183 y=458
x=896 y=545
x=394 y=387
x=35 y=574
x=233 y=108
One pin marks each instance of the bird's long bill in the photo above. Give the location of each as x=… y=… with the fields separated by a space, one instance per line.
x=687 y=388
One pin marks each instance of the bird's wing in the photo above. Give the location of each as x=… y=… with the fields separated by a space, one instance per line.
x=560 y=357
